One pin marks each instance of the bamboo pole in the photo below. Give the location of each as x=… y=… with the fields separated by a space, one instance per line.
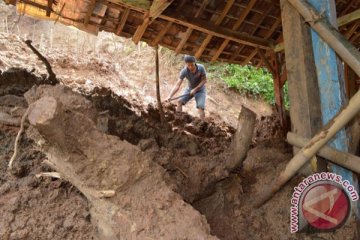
x=161 y=111
x=347 y=52
x=312 y=147
x=343 y=159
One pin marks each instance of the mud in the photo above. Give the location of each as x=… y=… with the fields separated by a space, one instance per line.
x=192 y=154
x=191 y=158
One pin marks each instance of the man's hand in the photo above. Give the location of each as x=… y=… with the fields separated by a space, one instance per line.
x=193 y=91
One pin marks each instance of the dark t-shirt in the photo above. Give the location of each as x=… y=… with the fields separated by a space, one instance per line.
x=193 y=78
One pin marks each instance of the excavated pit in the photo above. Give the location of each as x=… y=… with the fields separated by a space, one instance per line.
x=95 y=133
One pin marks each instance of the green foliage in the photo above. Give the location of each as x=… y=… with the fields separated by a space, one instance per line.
x=257 y=82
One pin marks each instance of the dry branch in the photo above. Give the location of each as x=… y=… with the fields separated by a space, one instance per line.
x=18 y=138
x=161 y=111
x=52 y=76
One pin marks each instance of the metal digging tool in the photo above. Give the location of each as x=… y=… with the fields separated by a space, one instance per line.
x=172 y=99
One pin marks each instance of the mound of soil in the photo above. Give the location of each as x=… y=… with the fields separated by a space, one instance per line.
x=193 y=154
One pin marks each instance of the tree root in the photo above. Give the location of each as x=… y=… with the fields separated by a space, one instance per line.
x=17 y=140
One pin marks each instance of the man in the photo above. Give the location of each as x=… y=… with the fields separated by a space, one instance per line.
x=196 y=76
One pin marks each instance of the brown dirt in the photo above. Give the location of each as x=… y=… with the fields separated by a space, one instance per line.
x=193 y=153
x=32 y=208
x=229 y=210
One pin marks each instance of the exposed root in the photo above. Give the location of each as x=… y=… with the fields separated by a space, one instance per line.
x=48 y=174
x=16 y=146
x=106 y=193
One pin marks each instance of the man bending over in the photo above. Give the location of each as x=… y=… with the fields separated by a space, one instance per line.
x=196 y=76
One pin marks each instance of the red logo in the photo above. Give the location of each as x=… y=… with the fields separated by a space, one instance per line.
x=326 y=206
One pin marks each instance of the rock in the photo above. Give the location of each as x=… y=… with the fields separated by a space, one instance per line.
x=14 y=203
x=19 y=234
x=69 y=221
x=5 y=188
x=146 y=144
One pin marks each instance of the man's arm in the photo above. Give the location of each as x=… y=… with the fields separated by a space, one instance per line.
x=175 y=89
x=197 y=88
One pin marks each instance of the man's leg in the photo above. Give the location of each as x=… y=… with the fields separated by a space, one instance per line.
x=200 y=98
x=179 y=106
x=182 y=101
x=201 y=113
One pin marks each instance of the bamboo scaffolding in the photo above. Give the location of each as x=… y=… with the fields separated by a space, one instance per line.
x=312 y=147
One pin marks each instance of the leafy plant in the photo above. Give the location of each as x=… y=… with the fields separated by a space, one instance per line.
x=257 y=82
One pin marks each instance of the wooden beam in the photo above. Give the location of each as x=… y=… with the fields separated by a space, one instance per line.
x=157 y=7
x=244 y=14
x=235 y=27
x=324 y=28
x=266 y=61
x=342 y=21
x=251 y=56
x=89 y=12
x=220 y=50
x=203 y=46
x=189 y=30
x=257 y=24
x=351 y=31
x=217 y=22
x=167 y=27
x=123 y=20
x=49 y=8
x=331 y=83
x=223 y=14
x=344 y=159
x=209 y=28
x=184 y=40
x=348 y=18
x=267 y=36
x=161 y=34
x=304 y=97
x=141 y=30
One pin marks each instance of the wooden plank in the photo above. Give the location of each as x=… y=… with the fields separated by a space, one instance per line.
x=157 y=7
x=304 y=97
x=220 y=50
x=217 y=22
x=209 y=28
x=223 y=14
x=141 y=30
x=342 y=21
x=189 y=30
x=348 y=18
x=266 y=61
x=161 y=34
x=203 y=46
x=351 y=31
x=251 y=56
x=49 y=8
x=267 y=36
x=167 y=27
x=184 y=40
x=89 y=12
x=342 y=158
x=331 y=84
x=235 y=27
x=244 y=14
x=257 y=24
x=123 y=20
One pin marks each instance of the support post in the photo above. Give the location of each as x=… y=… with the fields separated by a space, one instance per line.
x=158 y=97
x=304 y=99
x=331 y=84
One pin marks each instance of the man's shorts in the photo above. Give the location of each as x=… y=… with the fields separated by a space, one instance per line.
x=200 y=97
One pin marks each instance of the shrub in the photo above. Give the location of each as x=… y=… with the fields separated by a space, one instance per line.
x=257 y=82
